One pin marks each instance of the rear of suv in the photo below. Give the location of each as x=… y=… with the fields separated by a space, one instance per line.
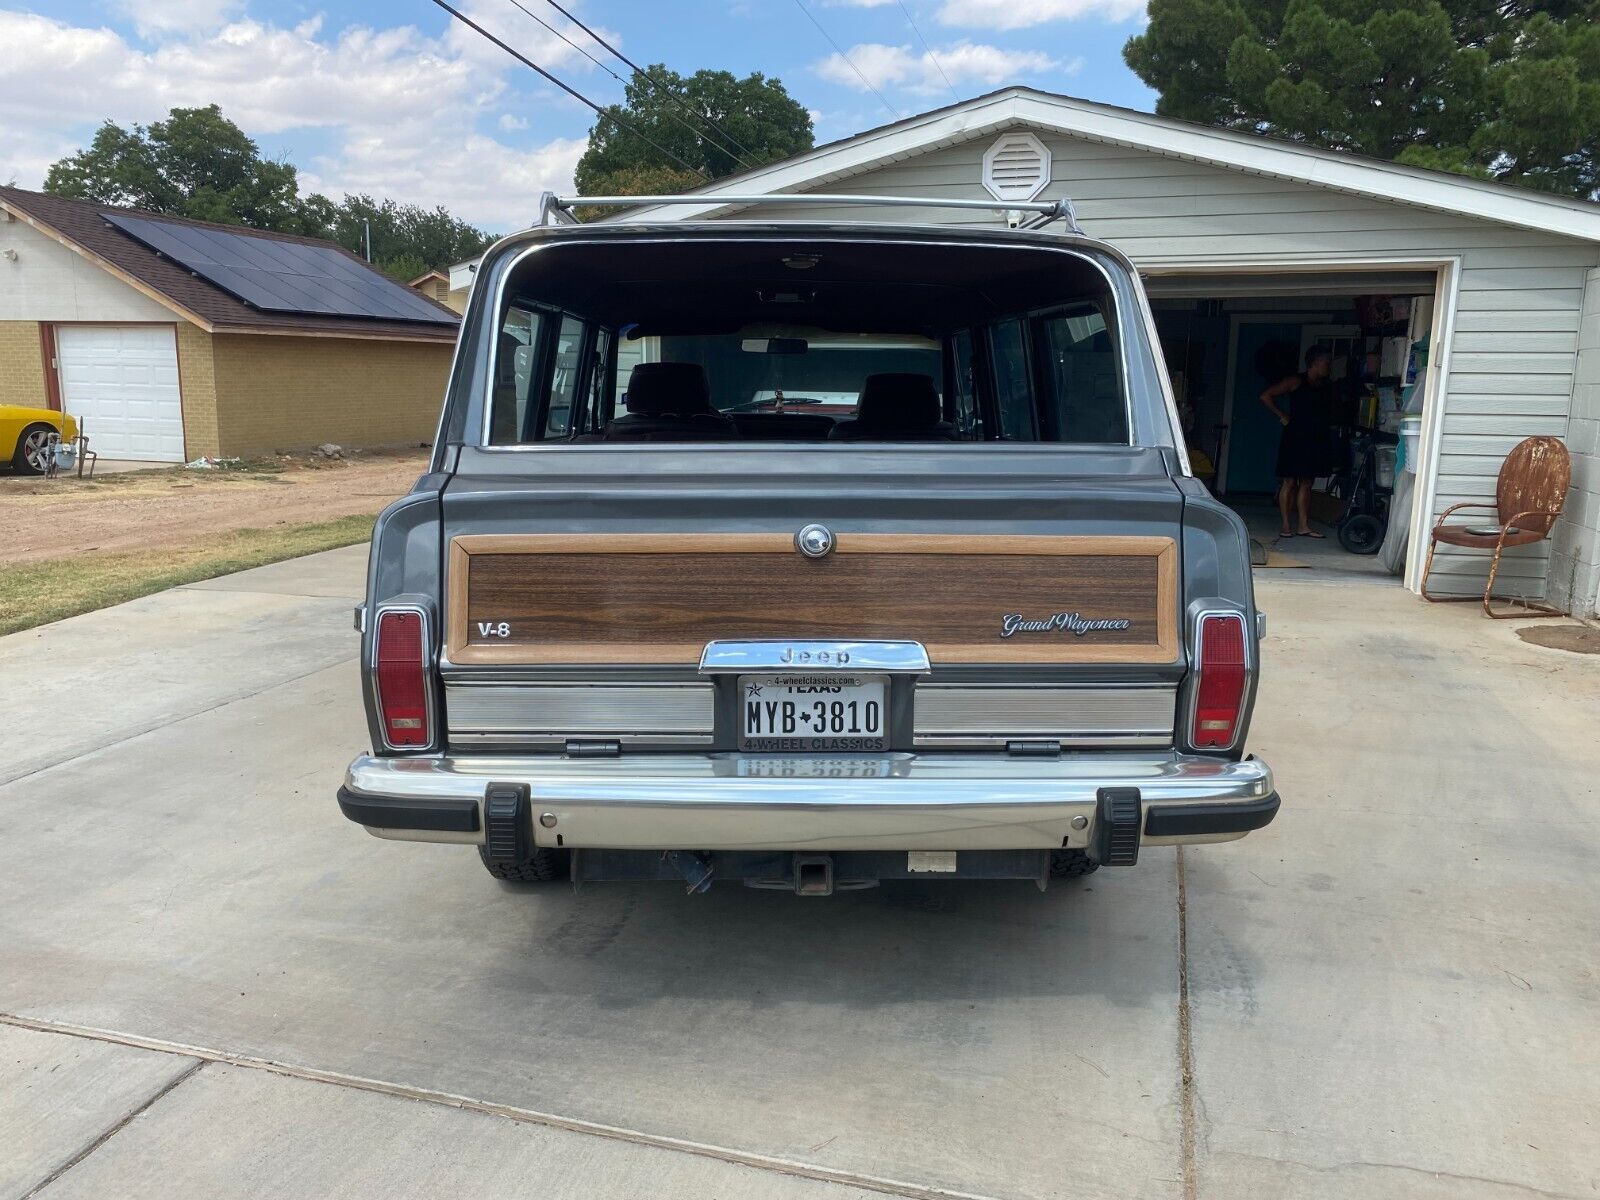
x=807 y=557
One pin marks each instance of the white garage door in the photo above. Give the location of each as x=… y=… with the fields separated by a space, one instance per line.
x=121 y=383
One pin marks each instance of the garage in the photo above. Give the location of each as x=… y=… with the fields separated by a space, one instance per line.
x=1462 y=316
x=121 y=383
x=167 y=340
x=1229 y=337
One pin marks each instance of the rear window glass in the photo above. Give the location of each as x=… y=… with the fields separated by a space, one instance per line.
x=742 y=342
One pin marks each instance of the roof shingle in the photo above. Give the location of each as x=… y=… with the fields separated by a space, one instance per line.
x=81 y=222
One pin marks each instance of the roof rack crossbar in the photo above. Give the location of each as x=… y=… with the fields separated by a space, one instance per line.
x=555 y=209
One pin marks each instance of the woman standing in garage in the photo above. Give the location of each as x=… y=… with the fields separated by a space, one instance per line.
x=1306 y=448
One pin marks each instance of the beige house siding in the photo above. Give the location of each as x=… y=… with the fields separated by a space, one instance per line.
x=1519 y=298
x=21 y=365
x=197 y=383
x=287 y=392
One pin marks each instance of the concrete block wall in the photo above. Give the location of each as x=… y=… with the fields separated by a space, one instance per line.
x=284 y=393
x=21 y=365
x=1575 y=553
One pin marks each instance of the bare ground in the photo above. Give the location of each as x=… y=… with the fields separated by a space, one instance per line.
x=151 y=510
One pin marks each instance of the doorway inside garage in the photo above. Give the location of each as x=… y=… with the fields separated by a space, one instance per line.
x=1227 y=338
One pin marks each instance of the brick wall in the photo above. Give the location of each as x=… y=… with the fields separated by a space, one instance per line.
x=198 y=380
x=281 y=393
x=21 y=365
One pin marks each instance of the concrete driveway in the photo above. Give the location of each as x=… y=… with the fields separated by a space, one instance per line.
x=212 y=985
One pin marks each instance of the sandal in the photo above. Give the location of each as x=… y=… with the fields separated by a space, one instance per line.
x=1311 y=533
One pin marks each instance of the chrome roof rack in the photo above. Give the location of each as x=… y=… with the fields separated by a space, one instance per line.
x=557 y=210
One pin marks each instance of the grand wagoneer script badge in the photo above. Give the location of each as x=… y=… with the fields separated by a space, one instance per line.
x=1072 y=623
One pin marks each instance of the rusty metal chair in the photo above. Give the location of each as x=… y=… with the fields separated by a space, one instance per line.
x=1528 y=497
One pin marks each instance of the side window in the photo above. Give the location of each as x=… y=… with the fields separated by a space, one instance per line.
x=963 y=388
x=564 y=378
x=1086 y=402
x=515 y=369
x=1013 y=382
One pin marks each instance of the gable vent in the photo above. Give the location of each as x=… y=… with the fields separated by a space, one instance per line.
x=1016 y=167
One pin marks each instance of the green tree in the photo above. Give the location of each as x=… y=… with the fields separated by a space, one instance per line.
x=199 y=164
x=196 y=163
x=1492 y=88
x=756 y=122
x=406 y=238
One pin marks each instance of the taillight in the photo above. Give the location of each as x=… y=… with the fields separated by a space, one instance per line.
x=402 y=678
x=1219 y=694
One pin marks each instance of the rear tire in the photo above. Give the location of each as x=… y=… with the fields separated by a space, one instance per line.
x=1361 y=534
x=29 y=456
x=541 y=866
x=1072 y=864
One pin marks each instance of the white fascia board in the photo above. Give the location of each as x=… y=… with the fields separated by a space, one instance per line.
x=1143 y=131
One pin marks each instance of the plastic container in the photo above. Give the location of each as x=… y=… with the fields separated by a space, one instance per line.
x=1410 y=443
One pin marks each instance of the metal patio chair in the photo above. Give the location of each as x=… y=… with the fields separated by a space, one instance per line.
x=1528 y=497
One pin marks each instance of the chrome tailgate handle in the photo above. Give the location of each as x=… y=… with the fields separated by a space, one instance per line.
x=777 y=657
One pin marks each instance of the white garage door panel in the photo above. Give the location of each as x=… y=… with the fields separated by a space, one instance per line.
x=121 y=383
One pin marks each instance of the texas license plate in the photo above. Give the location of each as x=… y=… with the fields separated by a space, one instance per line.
x=828 y=713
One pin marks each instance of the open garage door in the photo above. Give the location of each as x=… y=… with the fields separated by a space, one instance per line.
x=1228 y=335
x=121 y=383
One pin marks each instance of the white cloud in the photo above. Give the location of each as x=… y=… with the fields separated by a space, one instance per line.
x=856 y=3
x=510 y=122
x=1024 y=14
x=154 y=17
x=401 y=108
x=919 y=73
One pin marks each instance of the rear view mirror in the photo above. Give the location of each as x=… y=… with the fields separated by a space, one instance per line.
x=774 y=345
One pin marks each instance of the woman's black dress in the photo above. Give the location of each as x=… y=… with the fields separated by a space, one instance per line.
x=1306 y=450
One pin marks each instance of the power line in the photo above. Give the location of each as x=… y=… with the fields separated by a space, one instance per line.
x=693 y=132
x=812 y=17
x=663 y=88
x=949 y=87
x=569 y=89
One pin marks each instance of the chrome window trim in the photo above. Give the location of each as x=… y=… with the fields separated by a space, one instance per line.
x=1125 y=362
x=429 y=661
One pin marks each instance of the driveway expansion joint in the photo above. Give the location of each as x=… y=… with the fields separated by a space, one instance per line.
x=526 y=1116
x=116 y=1126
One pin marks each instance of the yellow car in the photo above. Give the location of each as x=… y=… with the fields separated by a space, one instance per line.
x=25 y=432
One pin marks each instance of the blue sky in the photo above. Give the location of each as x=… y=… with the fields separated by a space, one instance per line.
x=389 y=97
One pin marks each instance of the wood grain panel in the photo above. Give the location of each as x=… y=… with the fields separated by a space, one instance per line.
x=658 y=598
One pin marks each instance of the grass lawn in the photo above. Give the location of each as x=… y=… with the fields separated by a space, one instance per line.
x=36 y=593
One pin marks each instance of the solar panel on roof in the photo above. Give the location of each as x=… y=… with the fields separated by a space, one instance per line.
x=278 y=276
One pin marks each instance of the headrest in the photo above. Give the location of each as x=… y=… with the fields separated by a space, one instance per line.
x=658 y=388
x=898 y=400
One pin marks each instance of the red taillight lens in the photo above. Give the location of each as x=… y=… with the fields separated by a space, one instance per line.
x=402 y=679
x=1220 y=693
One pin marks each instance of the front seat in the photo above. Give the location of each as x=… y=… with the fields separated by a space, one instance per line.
x=670 y=402
x=896 y=406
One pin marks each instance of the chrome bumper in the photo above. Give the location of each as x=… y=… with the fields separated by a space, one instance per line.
x=726 y=802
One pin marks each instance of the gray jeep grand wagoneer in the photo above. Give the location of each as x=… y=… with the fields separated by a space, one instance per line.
x=808 y=556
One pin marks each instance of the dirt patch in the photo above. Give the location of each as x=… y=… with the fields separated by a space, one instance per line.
x=174 y=508
x=1579 y=639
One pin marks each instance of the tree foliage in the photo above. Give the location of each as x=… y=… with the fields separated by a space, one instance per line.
x=1500 y=90
x=199 y=164
x=756 y=120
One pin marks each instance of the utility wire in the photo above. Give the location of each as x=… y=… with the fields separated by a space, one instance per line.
x=949 y=87
x=664 y=89
x=693 y=132
x=812 y=17
x=569 y=89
